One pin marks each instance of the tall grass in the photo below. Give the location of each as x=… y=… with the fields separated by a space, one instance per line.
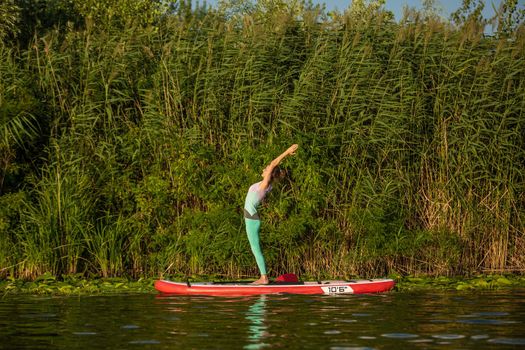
x=411 y=152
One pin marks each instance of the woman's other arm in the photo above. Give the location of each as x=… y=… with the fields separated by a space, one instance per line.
x=267 y=172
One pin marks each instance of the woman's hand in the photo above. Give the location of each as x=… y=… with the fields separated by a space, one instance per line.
x=291 y=150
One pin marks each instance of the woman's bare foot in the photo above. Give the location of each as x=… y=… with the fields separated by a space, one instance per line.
x=262 y=280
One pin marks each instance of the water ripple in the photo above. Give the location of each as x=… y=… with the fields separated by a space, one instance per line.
x=479 y=336
x=448 y=336
x=441 y=321
x=400 y=335
x=85 y=333
x=486 y=321
x=490 y=313
x=130 y=326
x=508 y=341
x=424 y=340
x=145 y=342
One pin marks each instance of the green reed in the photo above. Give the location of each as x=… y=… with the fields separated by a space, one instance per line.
x=138 y=142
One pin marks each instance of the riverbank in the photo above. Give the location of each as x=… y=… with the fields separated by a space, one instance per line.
x=77 y=285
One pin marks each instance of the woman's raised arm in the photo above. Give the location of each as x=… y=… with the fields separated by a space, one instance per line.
x=267 y=172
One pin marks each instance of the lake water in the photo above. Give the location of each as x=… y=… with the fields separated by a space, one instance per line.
x=396 y=320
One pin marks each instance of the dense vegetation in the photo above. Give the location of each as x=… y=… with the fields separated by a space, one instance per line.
x=131 y=130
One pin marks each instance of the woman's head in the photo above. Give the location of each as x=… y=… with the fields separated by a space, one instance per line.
x=278 y=174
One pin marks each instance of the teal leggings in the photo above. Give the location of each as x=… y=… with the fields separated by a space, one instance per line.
x=252 y=229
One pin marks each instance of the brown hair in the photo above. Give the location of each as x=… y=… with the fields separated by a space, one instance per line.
x=278 y=173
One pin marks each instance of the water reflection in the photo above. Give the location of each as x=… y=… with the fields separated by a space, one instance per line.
x=257 y=328
x=396 y=321
x=508 y=341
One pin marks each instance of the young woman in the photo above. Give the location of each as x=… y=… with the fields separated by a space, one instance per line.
x=255 y=195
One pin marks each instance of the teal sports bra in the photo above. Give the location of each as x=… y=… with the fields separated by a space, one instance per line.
x=253 y=198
